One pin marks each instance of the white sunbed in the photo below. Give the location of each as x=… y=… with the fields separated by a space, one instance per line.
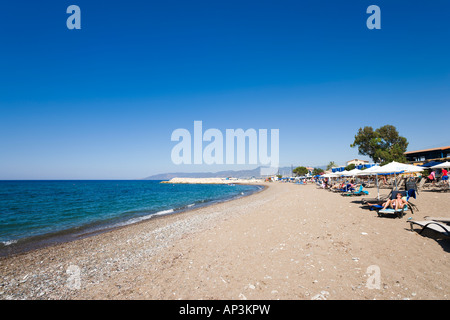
x=438 y=219
x=437 y=226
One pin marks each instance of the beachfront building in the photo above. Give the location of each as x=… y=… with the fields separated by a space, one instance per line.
x=357 y=162
x=420 y=157
x=359 y=167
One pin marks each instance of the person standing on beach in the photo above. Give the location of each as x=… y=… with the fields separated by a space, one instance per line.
x=432 y=176
x=445 y=175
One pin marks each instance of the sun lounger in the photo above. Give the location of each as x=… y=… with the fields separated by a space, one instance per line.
x=438 y=219
x=360 y=192
x=433 y=225
x=382 y=198
x=410 y=184
x=392 y=212
x=440 y=186
x=345 y=189
x=421 y=184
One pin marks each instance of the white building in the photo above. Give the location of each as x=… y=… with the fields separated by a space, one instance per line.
x=356 y=162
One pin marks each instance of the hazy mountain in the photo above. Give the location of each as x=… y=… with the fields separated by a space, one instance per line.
x=243 y=174
x=221 y=174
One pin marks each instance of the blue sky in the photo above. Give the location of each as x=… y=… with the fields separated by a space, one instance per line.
x=102 y=102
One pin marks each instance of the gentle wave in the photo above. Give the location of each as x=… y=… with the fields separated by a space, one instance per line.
x=8 y=243
x=160 y=213
x=143 y=218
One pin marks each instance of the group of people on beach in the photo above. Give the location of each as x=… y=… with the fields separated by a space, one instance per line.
x=433 y=178
x=398 y=203
x=347 y=185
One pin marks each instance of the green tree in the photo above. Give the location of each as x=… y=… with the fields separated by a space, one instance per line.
x=317 y=171
x=351 y=166
x=300 y=171
x=383 y=145
x=330 y=165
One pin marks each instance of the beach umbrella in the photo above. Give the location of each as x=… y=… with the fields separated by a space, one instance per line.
x=354 y=172
x=391 y=168
x=396 y=167
x=368 y=172
x=336 y=174
x=441 y=165
x=412 y=169
x=351 y=173
x=340 y=174
x=332 y=175
x=343 y=173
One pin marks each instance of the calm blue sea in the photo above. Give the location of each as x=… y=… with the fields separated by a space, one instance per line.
x=36 y=213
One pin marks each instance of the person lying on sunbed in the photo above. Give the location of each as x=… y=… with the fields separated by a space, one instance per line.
x=336 y=186
x=351 y=186
x=397 y=204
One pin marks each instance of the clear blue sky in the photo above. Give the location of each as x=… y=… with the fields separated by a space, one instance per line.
x=102 y=102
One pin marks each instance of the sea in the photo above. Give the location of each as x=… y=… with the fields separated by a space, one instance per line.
x=34 y=214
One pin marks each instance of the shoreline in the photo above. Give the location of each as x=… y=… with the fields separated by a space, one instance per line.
x=294 y=242
x=47 y=240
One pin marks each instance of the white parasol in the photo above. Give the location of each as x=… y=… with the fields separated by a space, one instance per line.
x=441 y=165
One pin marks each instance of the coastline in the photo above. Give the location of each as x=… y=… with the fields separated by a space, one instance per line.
x=78 y=233
x=289 y=242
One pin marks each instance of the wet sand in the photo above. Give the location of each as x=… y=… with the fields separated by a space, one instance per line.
x=289 y=241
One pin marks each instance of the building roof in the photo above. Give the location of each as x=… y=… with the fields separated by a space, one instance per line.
x=427 y=150
x=358 y=160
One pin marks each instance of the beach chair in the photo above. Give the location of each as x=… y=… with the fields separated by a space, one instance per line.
x=438 y=219
x=380 y=200
x=369 y=185
x=436 y=226
x=359 y=192
x=427 y=185
x=420 y=184
x=440 y=186
x=392 y=212
x=401 y=182
x=388 y=212
x=391 y=195
x=410 y=184
x=344 y=189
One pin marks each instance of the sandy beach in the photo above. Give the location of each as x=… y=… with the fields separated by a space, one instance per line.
x=289 y=241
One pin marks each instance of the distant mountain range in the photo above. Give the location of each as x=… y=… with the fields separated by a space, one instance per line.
x=241 y=174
